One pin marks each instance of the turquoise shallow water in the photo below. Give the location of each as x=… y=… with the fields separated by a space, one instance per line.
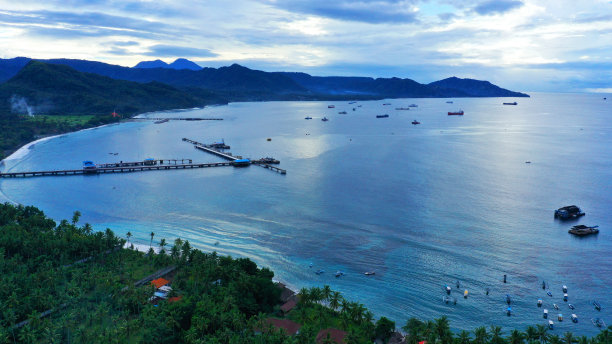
x=423 y=206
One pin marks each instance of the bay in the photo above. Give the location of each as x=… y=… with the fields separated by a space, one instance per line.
x=421 y=205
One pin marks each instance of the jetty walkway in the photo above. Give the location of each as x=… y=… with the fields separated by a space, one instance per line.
x=216 y=149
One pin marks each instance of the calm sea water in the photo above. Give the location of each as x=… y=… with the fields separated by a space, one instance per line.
x=423 y=206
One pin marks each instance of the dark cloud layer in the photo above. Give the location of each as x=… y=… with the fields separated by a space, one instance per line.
x=368 y=11
x=497 y=6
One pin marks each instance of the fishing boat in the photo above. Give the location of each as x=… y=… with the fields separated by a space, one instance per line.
x=543 y=285
x=560 y=317
x=415 y=122
x=582 y=230
x=455 y=113
x=574 y=318
x=598 y=322
x=369 y=273
x=449 y=102
x=413 y=105
x=331 y=106
x=551 y=324
x=555 y=305
x=465 y=294
x=545 y=315
x=564 y=288
x=509 y=311
x=508 y=299
x=382 y=116
x=386 y=104
x=487 y=291
x=447 y=299
x=352 y=102
x=549 y=293
x=568 y=212
x=161 y=121
x=342 y=113
x=565 y=297
x=597 y=305
x=448 y=289
x=457 y=284
x=571 y=306
x=513 y=103
x=318 y=272
x=307 y=117
x=402 y=108
x=339 y=273
x=324 y=119
x=539 y=302
x=89 y=167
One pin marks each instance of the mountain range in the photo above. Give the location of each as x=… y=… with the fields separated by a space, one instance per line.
x=71 y=86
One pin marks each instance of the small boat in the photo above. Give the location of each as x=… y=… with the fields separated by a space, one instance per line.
x=513 y=103
x=449 y=102
x=369 y=273
x=555 y=305
x=539 y=302
x=597 y=305
x=413 y=105
x=465 y=294
x=568 y=212
x=448 y=289
x=582 y=230
x=324 y=119
x=402 y=108
x=487 y=291
x=574 y=318
x=386 y=104
x=447 y=299
x=268 y=139
x=560 y=317
x=161 y=121
x=545 y=315
x=598 y=322
x=382 y=116
x=457 y=284
x=565 y=297
x=415 y=122
x=307 y=117
x=331 y=106
x=310 y=265
x=549 y=293
x=318 y=272
x=509 y=311
x=508 y=299
x=564 y=288
x=339 y=273
x=342 y=113
x=352 y=102
x=543 y=285
x=571 y=306
x=551 y=324
x=455 y=113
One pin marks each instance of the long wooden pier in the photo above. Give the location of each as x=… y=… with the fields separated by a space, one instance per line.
x=122 y=169
x=177 y=119
x=146 y=162
x=228 y=156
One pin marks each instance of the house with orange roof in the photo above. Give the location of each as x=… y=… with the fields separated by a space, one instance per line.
x=160 y=282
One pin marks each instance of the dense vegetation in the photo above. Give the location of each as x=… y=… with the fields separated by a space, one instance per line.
x=88 y=281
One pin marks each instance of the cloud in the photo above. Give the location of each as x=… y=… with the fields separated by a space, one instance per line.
x=367 y=11
x=497 y=6
x=126 y=44
x=162 y=50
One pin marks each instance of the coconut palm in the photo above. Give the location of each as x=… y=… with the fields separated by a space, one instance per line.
x=531 y=333
x=542 y=332
x=128 y=235
x=496 y=335
x=162 y=244
x=480 y=335
x=334 y=301
x=463 y=337
x=517 y=337
x=151 y=243
x=443 y=330
x=569 y=338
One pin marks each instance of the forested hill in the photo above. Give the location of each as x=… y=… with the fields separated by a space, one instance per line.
x=239 y=83
x=61 y=90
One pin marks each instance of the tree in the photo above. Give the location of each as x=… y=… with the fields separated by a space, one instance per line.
x=151 y=243
x=480 y=335
x=384 y=329
x=443 y=330
x=569 y=338
x=162 y=244
x=334 y=301
x=75 y=217
x=517 y=337
x=128 y=235
x=542 y=332
x=464 y=337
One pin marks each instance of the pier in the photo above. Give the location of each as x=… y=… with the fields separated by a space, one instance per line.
x=178 y=119
x=216 y=149
x=117 y=169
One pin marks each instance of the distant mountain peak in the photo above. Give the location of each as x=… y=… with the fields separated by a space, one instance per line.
x=152 y=64
x=182 y=63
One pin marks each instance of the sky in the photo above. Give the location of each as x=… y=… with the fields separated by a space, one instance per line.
x=523 y=45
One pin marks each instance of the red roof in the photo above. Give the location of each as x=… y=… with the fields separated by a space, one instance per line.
x=336 y=335
x=289 y=326
x=160 y=282
x=176 y=298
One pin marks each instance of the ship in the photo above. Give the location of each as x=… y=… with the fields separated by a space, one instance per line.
x=457 y=113
x=382 y=116
x=568 y=212
x=582 y=230
x=513 y=103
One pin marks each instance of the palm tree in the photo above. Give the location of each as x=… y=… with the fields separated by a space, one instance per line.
x=326 y=292
x=151 y=243
x=569 y=338
x=554 y=339
x=517 y=337
x=542 y=332
x=464 y=337
x=496 y=336
x=128 y=235
x=334 y=301
x=443 y=330
x=413 y=327
x=531 y=333
x=480 y=335
x=75 y=217
x=162 y=244
x=583 y=340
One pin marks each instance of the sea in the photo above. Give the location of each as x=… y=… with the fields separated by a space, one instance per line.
x=467 y=199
